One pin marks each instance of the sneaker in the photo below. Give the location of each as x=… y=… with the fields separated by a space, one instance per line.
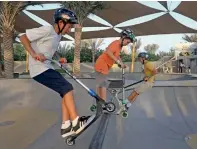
x=105 y=111
x=82 y=123
x=127 y=105
x=124 y=107
x=67 y=132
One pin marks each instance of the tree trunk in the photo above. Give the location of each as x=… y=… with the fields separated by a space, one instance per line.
x=8 y=52
x=93 y=56
x=0 y=62
x=76 y=64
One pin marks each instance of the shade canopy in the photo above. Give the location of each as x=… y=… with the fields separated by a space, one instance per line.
x=141 y=18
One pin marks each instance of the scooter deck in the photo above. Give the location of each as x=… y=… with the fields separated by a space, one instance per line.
x=75 y=136
x=115 y=84
x=98 y=114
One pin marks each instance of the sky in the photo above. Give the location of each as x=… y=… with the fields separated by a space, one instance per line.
x=165 y=41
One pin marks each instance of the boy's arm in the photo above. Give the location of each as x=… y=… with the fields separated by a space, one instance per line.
x=26 y=43
x=57 y=55
x=59 y=58
x=110 y=53
x=119 y=58
x=152 y=69
x=124 y=66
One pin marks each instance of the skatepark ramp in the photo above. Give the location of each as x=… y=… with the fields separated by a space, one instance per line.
x=163 y=118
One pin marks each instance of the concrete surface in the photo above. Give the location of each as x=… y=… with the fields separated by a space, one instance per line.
x=87 y=71
x=192 y=140
x=20 y=67
x=160 y=119
x=30 y=117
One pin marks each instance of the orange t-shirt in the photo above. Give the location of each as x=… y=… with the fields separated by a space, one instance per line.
x=105 y=62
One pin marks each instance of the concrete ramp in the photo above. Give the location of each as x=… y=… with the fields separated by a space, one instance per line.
x=163 y=118
x=160 y=119
x=20 y=127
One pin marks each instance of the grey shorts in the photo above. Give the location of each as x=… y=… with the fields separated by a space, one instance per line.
x=102 y=80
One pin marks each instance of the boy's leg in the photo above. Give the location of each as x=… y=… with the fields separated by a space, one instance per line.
x=102 y=92
x=78 y=123
x=138 y=90
x=70 y=105
x=101 y=85
x=65 y=113
x=132 y=97
x=56 y=82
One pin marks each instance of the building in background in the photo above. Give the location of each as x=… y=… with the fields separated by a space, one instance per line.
x=186 y=53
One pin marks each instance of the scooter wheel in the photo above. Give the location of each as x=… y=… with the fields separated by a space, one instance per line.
x=110 y=107
x=69 y=142
x=124 y=114
x=93 y=108
x=113 y=91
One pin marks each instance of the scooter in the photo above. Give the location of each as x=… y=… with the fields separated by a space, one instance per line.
x=101 y=104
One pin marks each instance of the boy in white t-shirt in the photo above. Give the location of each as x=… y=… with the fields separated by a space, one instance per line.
x=42 y=43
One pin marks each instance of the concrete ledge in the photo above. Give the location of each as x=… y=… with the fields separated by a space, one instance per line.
x=193 y=75
x=131 y=76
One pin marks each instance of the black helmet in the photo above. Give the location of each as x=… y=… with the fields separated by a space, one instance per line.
x=128 y=33
x=65 y=15
x=143 y=55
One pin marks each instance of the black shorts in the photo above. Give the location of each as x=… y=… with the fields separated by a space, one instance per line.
x=55 y=81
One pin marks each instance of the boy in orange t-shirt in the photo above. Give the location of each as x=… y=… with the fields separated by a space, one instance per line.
x=108 y=58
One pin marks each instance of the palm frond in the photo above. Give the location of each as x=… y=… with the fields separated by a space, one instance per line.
x=138 y=44
x=192 y=38
x=99 y=43
x=10 y=9
x=15 y=11
x=30 y=3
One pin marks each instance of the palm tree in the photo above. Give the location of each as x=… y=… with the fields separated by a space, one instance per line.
x=135 y=46
x=1 y=74
x=192 y=38
x=8 y=12
x=94 y=44
x=138 y=44
x=151 y=48
x=82 y=10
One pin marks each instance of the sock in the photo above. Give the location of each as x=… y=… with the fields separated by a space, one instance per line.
x=75 y=121
x=66 y=124
x=128 y=103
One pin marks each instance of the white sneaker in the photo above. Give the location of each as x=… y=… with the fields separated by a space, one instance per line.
x=67 y=131
x=82 y=123
x=125 y=107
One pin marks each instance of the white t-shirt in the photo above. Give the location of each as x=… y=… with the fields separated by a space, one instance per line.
x=43 y=40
